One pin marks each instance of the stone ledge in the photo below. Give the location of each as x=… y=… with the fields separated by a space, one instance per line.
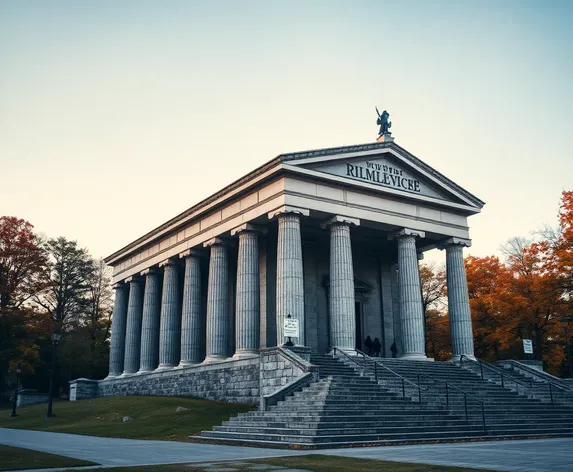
x=215 y=366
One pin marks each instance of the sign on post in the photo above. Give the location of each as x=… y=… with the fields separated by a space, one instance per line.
x=290 y=328
x=528 y=346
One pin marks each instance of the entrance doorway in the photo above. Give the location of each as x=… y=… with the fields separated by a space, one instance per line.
x=358 y=322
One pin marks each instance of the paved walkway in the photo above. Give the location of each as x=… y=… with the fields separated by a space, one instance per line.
x=536 y=455
x=118 y=452
x=525 y=456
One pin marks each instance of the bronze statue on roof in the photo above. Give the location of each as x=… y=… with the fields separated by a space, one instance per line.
x=385 y=125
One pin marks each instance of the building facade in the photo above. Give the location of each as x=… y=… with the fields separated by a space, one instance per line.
x=331 y=238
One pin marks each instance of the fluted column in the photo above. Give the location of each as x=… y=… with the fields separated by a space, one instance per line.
x=149 y=358
x=411 y=309
x=170 y=323
x=217 y=302
x=118 y=326
x=458 y=299
x=247 y=330
x=133 y=330
x=341 y=287
x=290 y=281
x=193 y=318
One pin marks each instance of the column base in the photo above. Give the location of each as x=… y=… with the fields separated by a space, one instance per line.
x=112 y=376
x=414 y=357
x=141 y=372
x=183 y=364
x=164 y=367
x=348 y=351
x=245 y=354
x=214 y=359
x=126 y=374
x=457 y=359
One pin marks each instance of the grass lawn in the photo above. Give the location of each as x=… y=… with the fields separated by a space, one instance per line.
x=153 y=417
x=313 y=462
x=15 y=458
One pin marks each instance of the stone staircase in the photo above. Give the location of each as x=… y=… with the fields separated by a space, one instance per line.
x=365 y=401
x=513 y=410
x=541 y=384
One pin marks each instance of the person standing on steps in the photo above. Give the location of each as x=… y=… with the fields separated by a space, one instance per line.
x=394 y=350
x=376 y=346
x=368 y=344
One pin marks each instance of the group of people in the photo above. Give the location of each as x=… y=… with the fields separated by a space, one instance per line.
x=372 y=347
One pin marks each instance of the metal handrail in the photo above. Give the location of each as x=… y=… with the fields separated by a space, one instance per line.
x=511 y=379
x=542 y=378
x=404 y=379
x=497 y=370
x=550 y=382
x=418 y=386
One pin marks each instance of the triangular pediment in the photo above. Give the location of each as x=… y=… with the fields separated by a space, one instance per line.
x=384 y=171
x=389 y=170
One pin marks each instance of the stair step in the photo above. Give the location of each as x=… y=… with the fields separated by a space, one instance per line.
x=347 y=405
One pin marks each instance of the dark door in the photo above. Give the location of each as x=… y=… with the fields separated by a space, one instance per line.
x=358 y=318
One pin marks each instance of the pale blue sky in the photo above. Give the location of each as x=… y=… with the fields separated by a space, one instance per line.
x=117 y=115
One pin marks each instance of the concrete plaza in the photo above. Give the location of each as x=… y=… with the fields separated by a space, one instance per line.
x=529 y=455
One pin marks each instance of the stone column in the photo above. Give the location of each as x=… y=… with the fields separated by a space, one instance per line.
x=247 y=330
x=217 y=302
x=341 y=288
x=411 y=309
x=290 y=281
x=133 y=331
x=149 y=358
x=193 y=319
x=118 y=326
x=170 y=324
x=458 y=299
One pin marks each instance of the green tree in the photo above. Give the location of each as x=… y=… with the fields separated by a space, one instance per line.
x=71 y=270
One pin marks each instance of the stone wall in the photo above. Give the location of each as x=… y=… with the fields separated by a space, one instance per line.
x=284 y=371
x=83 y=388
x=234 y=381
x=30 y=397
x=276 y=373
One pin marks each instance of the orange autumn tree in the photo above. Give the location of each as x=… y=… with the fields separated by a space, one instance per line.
x=538 y=317
x=433 y=282
x=563 y=251
x=491 y=300
x=529 y=296
x=558 y=251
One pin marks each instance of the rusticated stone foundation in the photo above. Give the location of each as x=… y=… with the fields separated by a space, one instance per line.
x=234 y=381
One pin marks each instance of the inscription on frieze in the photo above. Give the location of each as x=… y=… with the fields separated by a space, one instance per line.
x=383 y=172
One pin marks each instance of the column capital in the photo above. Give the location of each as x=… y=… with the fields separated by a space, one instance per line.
x=248 y=227
x=134 y=278
x=119 y=285
x=150 y=271
x=407 y=232
x=190 y=253
x=172 y=261
x=214 y=242
x=285 y=209
x=340 y=219
x=455 y=242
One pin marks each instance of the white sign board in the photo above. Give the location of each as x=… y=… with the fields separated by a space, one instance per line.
x=528 y=346
x=290 y=328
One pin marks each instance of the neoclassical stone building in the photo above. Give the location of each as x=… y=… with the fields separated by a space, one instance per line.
x=331 y=237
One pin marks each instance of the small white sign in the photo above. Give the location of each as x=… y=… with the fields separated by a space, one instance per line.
x=528 y=346
x=290 y=328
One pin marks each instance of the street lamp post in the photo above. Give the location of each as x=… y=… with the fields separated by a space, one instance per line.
x=56 y=338
x=14 y=403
